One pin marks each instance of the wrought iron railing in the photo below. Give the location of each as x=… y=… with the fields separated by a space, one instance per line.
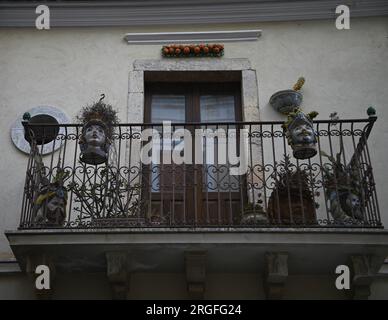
x=335 y=188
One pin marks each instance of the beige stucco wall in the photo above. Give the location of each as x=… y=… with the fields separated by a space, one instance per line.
x=346 y=71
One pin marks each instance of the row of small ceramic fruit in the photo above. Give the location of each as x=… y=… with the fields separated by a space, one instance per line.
x=174 y=49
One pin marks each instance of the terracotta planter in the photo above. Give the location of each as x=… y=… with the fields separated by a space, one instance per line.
x=282 y=206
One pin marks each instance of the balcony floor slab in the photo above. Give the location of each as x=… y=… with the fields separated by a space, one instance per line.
x=311 y=250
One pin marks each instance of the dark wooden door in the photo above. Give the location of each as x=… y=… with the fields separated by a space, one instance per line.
x=193 y=194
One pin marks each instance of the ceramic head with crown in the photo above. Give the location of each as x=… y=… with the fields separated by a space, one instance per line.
x=98 y=121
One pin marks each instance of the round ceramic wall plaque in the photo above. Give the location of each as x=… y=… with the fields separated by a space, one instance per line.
x=17 y=129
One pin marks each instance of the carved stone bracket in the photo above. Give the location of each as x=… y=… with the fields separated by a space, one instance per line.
x=276 y=273
x=195 y=263
x=33 y=261
x=364 y=269
x=118 y=275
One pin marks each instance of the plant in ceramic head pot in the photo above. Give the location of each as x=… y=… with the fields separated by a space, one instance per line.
x=98 y=121
x=254 y=213
x=50 y=205
x=292 y=200
x=345 y=191
x=301 y=135
x=285 y=101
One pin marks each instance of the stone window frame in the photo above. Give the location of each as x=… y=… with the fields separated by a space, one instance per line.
x=249 y=92
x=249 y=89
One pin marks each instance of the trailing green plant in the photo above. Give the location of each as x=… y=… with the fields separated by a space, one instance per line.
x=297 y=179
x=339 y=176
x=113 y=196
x=344 y=189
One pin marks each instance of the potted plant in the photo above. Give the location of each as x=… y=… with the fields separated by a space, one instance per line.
x=291 y=201
x=301 y=135
x=50 y=204
x=119 y=204
x=98 y=122
x=254 y=214
x=285 y=101
x=343 y=189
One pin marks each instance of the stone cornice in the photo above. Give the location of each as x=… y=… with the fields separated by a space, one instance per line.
x=199 y=36
x=178 y=12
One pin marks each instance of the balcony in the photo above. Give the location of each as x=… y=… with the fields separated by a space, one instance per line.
x=319 y=212
x=335 y=188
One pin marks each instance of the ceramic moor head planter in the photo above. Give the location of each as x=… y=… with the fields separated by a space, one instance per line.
x=98 y=124
x=94 y=142
x=345 y=191
x=300 y=134
x=50 y=205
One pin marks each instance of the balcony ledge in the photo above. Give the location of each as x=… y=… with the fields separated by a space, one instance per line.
x=311 y=251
